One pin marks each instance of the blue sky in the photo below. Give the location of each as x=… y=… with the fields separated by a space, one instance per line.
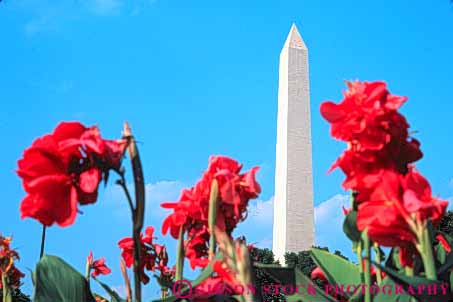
x=196 y=78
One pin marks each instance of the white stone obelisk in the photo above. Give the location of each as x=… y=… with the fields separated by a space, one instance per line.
x=293 y=200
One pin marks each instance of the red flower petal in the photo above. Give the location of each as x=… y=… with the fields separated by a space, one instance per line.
x=444 y=243
x=332 y=112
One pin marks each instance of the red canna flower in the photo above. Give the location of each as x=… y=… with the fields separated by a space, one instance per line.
x=197 y=247
x=358 y=114
x=391 y=205
x=98 y=266
x=191 y=210
x=377 y=135
x=153 y=255
x=392 y=198
x=62 y=169
x=7 y=266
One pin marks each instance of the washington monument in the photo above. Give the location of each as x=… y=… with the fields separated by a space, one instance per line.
x=293 y=199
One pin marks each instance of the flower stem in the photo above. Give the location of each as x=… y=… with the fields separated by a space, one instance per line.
x=212 y=216
x=367 y=270
x=359 y=257
x=43 y=241
x=6 y=292
x=122 y=183
x=138 y=211
x=180 y=255
x=378 y=256
x=427 y=255
x=127 y=283
x=137 y=266
x=87 y=271
x=409 y=271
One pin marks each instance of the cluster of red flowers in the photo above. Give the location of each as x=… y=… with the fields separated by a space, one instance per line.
x=98 y=267
x=153 y=256
x=7 y=267
x=62 y=169
x=191 y=211
x=377 y=163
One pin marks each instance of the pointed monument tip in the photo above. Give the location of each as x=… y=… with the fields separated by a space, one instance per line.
x=294 y=39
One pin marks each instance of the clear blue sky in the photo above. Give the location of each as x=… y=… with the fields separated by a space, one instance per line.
x=196 y=78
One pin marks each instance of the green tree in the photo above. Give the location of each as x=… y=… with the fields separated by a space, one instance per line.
x=264 y=256
x=301 y=260
x=446 y=224
x=18 y=296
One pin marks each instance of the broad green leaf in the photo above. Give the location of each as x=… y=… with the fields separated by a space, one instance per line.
x=409 y=283
x=58 y=281
x=387 y=296
x=442 y=254
x=350 y=226
x=308 y=291
x=337 y=269
x=114 y=297
x=305 y=289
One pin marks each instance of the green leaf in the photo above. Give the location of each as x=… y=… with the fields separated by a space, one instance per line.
x=411 y=283
x=207 y=272
x=350 y=226
x=441 y=254
x=114 y=297
x=337 y=269
x=58 y=281
x=310 y=292
x=391 y=297
x=393 y=260
x=305 y=289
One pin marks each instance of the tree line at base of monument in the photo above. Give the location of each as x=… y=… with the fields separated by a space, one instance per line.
x=391 y=206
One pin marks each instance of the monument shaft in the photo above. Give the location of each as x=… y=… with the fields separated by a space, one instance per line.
x=293 y=201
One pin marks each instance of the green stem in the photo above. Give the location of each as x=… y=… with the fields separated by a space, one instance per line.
x=359 y=257
x=137 y=266
x=427 y=255
x=378 y=256
x=6 y=292
x=43 y=241
x=409 y=271
x=138 y=211
x=180 y=255
x=87 y=271
x=212 y=216
x=366 y=246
